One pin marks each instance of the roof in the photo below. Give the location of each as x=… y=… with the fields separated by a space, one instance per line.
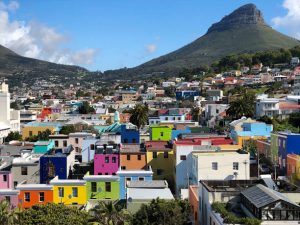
x=67 y=182
x=101 y=178
x=158 y=145
x=34 y=187
x=283 y=105
x=42 y=143
x=8 y=192
x=131 y=148
x=260 y=196
x=42 y=124
x=149 y=193
x=134 y=172
x=148 y=184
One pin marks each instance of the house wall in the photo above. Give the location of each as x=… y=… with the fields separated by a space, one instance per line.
x=13 y=198
x=88 y=149
x=129 y=135
x=35 y=130
x=113 y=195
x=80 y=200
x=43 y=148
x=9 y=181
x=32 y=177
x=59 y=164
x=293 y=166
x=161 y=133
x=34 y=198
x=103 y=168
x=133 y=163
x=194 y=203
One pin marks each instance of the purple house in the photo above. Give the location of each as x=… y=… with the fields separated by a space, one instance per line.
x=10 y=195
x=106 y=159
x=6 y=180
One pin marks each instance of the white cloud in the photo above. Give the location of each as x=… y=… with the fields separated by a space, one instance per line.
x=151 y=48
x=291 y=21
x=38 y=40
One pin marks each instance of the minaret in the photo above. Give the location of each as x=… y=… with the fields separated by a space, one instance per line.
x=4 y=104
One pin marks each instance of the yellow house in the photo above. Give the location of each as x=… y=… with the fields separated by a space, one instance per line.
x=160 y=156
x=69 y=192
x=35 y=128
x=242 y=139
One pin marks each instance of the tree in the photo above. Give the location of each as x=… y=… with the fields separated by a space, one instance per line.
x=139 y=115
x=6 y=214
x=56 y=214
x=170 y=91
x=13 y=136
x=67 y=129
x=196 y=113
x=294 y=119
x=175 y=212
x=15 y=105
x=43 y=136
x=140 y=99
x=244 y=106
x=85 y=108
x=108 y=213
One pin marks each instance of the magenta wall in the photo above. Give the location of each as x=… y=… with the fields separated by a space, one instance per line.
x=103 y=167
x=13 y=199
x=8 y=183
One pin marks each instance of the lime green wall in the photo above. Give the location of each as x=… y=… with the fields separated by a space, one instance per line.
x=161 y=133
x=114 y=194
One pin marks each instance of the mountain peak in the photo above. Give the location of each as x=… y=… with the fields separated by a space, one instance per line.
x=245 y=15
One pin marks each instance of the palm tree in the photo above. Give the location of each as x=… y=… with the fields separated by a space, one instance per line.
x=244 y=106
x=139 y=115
x=6 y=214
x=107 y=213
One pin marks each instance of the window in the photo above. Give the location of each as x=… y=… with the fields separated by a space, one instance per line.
x=92 y=147
x=166 y=118
x=113 y=160
x=42 y=196
x=61 y=192
x=27 y=197
x=235 y=166
x=159 y=172
x=106 y=159
x=139 y=157
x=123 y=167
x=65 y=143
x=76 y=140
x=179 y=118
x=183 y=157
x=154 y=155
x=99 y=173
x=127 y=179
x=107 y=186
x=141 y=179
x=161 y=134
x=106 y=173
x=24 y=170
x=125 y=140
x=214 y=166
x=93 y=187
x=74 y=191
x=56 y=143
x=133 y=140
x=7 y=198
x=15 y=184
x=30 y=133
x=166 y=155
x=4 y=177
x=128 y=157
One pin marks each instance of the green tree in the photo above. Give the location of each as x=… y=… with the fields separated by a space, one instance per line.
x=244 y=106
x=139 y=115
x=196 y=113
x=294 y=119
x=67 y=129
x=6 y=213
x=54 y=214
x=85 y=108
x=108 y=213
x=13 y=136
x=170 y=91
x=175 y=212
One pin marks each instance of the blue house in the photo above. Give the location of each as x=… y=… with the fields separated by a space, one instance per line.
x=132 y=175
x=129 y=135
x=43 y=146
x=175 y=133
x=288 y=143
x=188 y=94
x=56 y=163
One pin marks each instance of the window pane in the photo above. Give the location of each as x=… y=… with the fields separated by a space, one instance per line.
x=75 y=192
x=107 y=186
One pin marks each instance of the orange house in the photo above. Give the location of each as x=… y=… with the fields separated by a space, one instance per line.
x=132 y=157
x=194 y=202
x=33 y=194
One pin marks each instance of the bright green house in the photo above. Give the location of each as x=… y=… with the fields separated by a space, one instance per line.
x=161 y=133
x=102 y=187
x=274 y=147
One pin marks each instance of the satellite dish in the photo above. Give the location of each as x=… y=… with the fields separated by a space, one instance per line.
x=70 y=196
x=99 y=189
x=129 y=199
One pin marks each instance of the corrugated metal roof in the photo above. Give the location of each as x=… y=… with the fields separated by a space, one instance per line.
x=261 y=196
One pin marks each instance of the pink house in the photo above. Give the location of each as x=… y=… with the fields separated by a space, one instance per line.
x=106 y=159
x=10 y=195
x=6 y=180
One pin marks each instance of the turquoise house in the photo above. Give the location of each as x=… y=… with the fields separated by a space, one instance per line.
x=43 y=146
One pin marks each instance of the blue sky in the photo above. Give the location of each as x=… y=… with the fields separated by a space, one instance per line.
x=110 y=34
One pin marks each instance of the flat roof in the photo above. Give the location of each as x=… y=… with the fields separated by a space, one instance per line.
x=34 y=187
x=101 y=178
x=67 y=182
x=147 y=184
x=149 y=193
x=9 y=192
x=133 y=172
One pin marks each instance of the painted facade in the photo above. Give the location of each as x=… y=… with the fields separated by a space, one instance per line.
x=34 y=128
x=102 y=187
x=6 y=180
x=34 y=194
x=293 y=166
x=10 y=195
x=160 y=133
x=129 y=135
x=42 y=147
x=132 y=157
